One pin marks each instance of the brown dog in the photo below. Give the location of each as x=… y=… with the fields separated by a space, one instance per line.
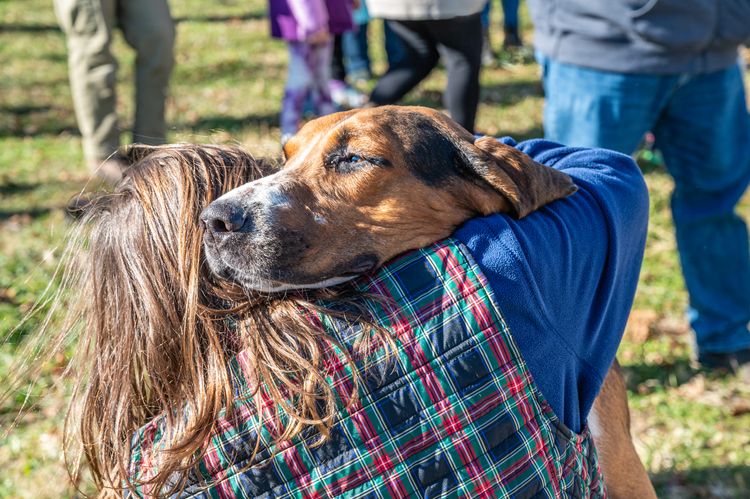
x=363 y=186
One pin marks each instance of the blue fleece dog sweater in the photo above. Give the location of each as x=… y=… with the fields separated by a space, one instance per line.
x=565 y=275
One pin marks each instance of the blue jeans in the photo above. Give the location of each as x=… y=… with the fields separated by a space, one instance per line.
x=510 y=13
x=702 y=128
x=356 y=50
x=394 y=48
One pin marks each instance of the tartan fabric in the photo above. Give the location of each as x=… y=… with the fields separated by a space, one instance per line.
x=454 y=414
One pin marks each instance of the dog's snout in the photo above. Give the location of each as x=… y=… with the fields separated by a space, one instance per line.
x=224 y=217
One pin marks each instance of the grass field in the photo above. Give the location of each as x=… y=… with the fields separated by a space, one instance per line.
x=692 y=429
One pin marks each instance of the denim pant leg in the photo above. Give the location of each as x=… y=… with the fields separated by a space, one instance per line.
x=590 y=108
x=485 y=14
x=704 y=135
x=356 y=50
x=510 y=13
x=394 y=47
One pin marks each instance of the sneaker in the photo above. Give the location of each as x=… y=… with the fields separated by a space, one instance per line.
x=355 y=97
x=345 y=96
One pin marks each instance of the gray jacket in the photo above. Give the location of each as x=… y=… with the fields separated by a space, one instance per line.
x=642 y=36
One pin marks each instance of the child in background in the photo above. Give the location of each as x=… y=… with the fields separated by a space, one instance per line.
x=308 y=27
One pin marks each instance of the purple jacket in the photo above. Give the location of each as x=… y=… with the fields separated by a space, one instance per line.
x=295 y=20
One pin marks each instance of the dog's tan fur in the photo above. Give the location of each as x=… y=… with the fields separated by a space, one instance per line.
x=623 y=470
x=397 y=210
x=400 y=212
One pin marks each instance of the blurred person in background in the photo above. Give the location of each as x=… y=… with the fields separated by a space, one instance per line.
x=394 y=52
x=614 y=70
x=149 y=29
x=348 y=68
x=352 y=66
x=356 y=47
x=511 y=35
x=308 y=26
x=426 y=30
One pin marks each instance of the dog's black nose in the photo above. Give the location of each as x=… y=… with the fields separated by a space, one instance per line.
x=223 y=216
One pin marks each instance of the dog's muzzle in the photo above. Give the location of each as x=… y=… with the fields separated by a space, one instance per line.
x=243 y=245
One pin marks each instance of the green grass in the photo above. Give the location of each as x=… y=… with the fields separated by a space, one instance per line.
x=691 y=428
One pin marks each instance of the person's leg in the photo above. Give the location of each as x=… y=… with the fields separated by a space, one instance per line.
x=356 y=53
x=337 y=83
x=488 y=56
x=460 y=44
x=298 y=85
x=589 y=108
x=704 y=136
x=338 y=72
x=419 y=58
x=319 y=65
x=92 y=72
x=148 y=28
x=512 y=35
x=394 y=50
x=485 y=14
x=510 y=13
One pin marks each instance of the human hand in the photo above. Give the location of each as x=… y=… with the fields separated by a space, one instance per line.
x=319 y=37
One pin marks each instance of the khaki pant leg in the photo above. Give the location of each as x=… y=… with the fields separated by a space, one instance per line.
x=148 y=28
x=92 y=70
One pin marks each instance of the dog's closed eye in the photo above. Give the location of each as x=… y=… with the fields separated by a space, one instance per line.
x=348 y=162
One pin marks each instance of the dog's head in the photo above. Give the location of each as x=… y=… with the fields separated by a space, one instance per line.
x=362 y=186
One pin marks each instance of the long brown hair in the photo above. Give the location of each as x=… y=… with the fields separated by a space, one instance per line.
x=154 y=337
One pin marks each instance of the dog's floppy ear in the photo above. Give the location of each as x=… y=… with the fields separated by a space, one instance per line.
x=524 y=183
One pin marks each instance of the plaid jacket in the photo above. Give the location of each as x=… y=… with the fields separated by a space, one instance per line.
x=456 y=415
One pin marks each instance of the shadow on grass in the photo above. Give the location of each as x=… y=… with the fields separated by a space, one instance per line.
x=248 y=16
x=535 y=132
x=24 y=110
x=426 y=98
x=31 y=213
x=664 y=374
x=32 y=120
x=11 y=188
x=507 y=93
x=28 y=28
x=719 y=481
x=233 y=70
x=230 y=124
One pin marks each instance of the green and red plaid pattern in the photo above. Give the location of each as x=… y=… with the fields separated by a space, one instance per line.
x=454 y=414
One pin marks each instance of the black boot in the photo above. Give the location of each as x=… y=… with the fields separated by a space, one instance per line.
x=512 y=38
